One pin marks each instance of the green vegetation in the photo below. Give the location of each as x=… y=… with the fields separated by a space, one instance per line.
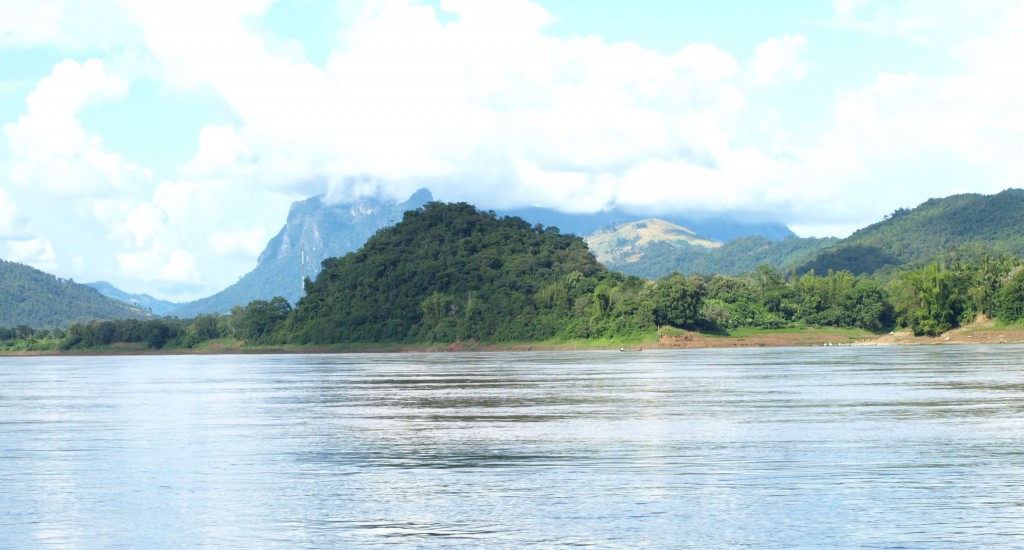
x=735 y=257
x=448 y=275
x=315 y=229
x=938 y=297
x=922 y=235
x=33 y=298
x=906 y=238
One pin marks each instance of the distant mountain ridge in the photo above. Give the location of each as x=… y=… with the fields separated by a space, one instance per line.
x=333 y=230
x=627 y=243
x=141 y=301
x=718 y=229
x=634 y=253
x=37 y=299
x=966 y=225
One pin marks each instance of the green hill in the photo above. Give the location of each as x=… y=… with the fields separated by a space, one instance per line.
x=449 y=273
x=935 y=227
x=36 y=299
x=314 y=229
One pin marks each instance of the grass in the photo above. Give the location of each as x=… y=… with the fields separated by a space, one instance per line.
x=848 y=333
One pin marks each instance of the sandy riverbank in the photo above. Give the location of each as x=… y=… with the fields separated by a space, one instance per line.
x=982 y=331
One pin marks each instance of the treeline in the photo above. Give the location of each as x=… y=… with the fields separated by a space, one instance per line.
x=252 y=324
x=944 y=295
x=930 y=300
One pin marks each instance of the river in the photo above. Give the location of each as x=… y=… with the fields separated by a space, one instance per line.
x=800 y=447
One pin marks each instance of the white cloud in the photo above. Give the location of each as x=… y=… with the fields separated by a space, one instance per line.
x=244 y=243
x=489 y=99
x=180 y=267
x=68 y=24
x=220 y=148
x=779 y=59
x=708 y=63
x=9 y=222
x=925 y=22
x=50 y=148
x=489 y=107
x=177 y=266
x=144 y=223
x=37 y=252
x=847 y=8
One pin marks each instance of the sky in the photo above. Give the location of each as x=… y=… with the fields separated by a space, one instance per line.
x=158 y=145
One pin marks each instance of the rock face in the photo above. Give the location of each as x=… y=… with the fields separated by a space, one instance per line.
x=314 y=231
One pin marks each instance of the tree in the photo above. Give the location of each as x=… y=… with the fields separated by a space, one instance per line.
x=930 y=300
x=261 y=318
x=678 y=300
x=1009 y=300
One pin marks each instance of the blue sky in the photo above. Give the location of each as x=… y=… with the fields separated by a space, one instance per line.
x=159 y=145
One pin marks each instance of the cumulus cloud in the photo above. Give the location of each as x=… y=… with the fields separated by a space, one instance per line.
x=908 y=132
x=482 y=103
x=9 y=222
x=487 y=108
x=243 y=243
x=48 y=144
x=779 y=58
x=67 y=24
x=177 y=266
x=37 y=252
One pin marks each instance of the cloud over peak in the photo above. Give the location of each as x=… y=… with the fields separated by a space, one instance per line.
x=484 y=102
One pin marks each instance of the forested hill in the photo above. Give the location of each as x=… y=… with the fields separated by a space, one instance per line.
x=315 y=230
x=934 y=227
x=448 y=272
x=33 y=298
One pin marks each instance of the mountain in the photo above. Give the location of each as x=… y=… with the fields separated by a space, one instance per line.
x=333 y=230
x=654 y=248
x=718 y=229
x=449 y=273
x=31 y=297
x=935 y=227
x=313 y=232
x=141 y=301
x=626 y=243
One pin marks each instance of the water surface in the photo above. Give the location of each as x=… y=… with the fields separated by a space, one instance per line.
x=811 y=447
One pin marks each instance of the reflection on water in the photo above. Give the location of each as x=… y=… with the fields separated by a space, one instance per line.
x=769 y=447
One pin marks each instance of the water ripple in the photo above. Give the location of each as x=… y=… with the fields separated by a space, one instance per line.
x=837 y=447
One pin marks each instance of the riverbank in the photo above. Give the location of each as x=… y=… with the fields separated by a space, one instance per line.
x=981 y=332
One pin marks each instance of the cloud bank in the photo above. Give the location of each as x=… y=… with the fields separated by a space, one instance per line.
x=479 y=102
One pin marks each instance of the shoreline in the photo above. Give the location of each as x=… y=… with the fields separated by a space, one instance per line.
x=978 y=333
